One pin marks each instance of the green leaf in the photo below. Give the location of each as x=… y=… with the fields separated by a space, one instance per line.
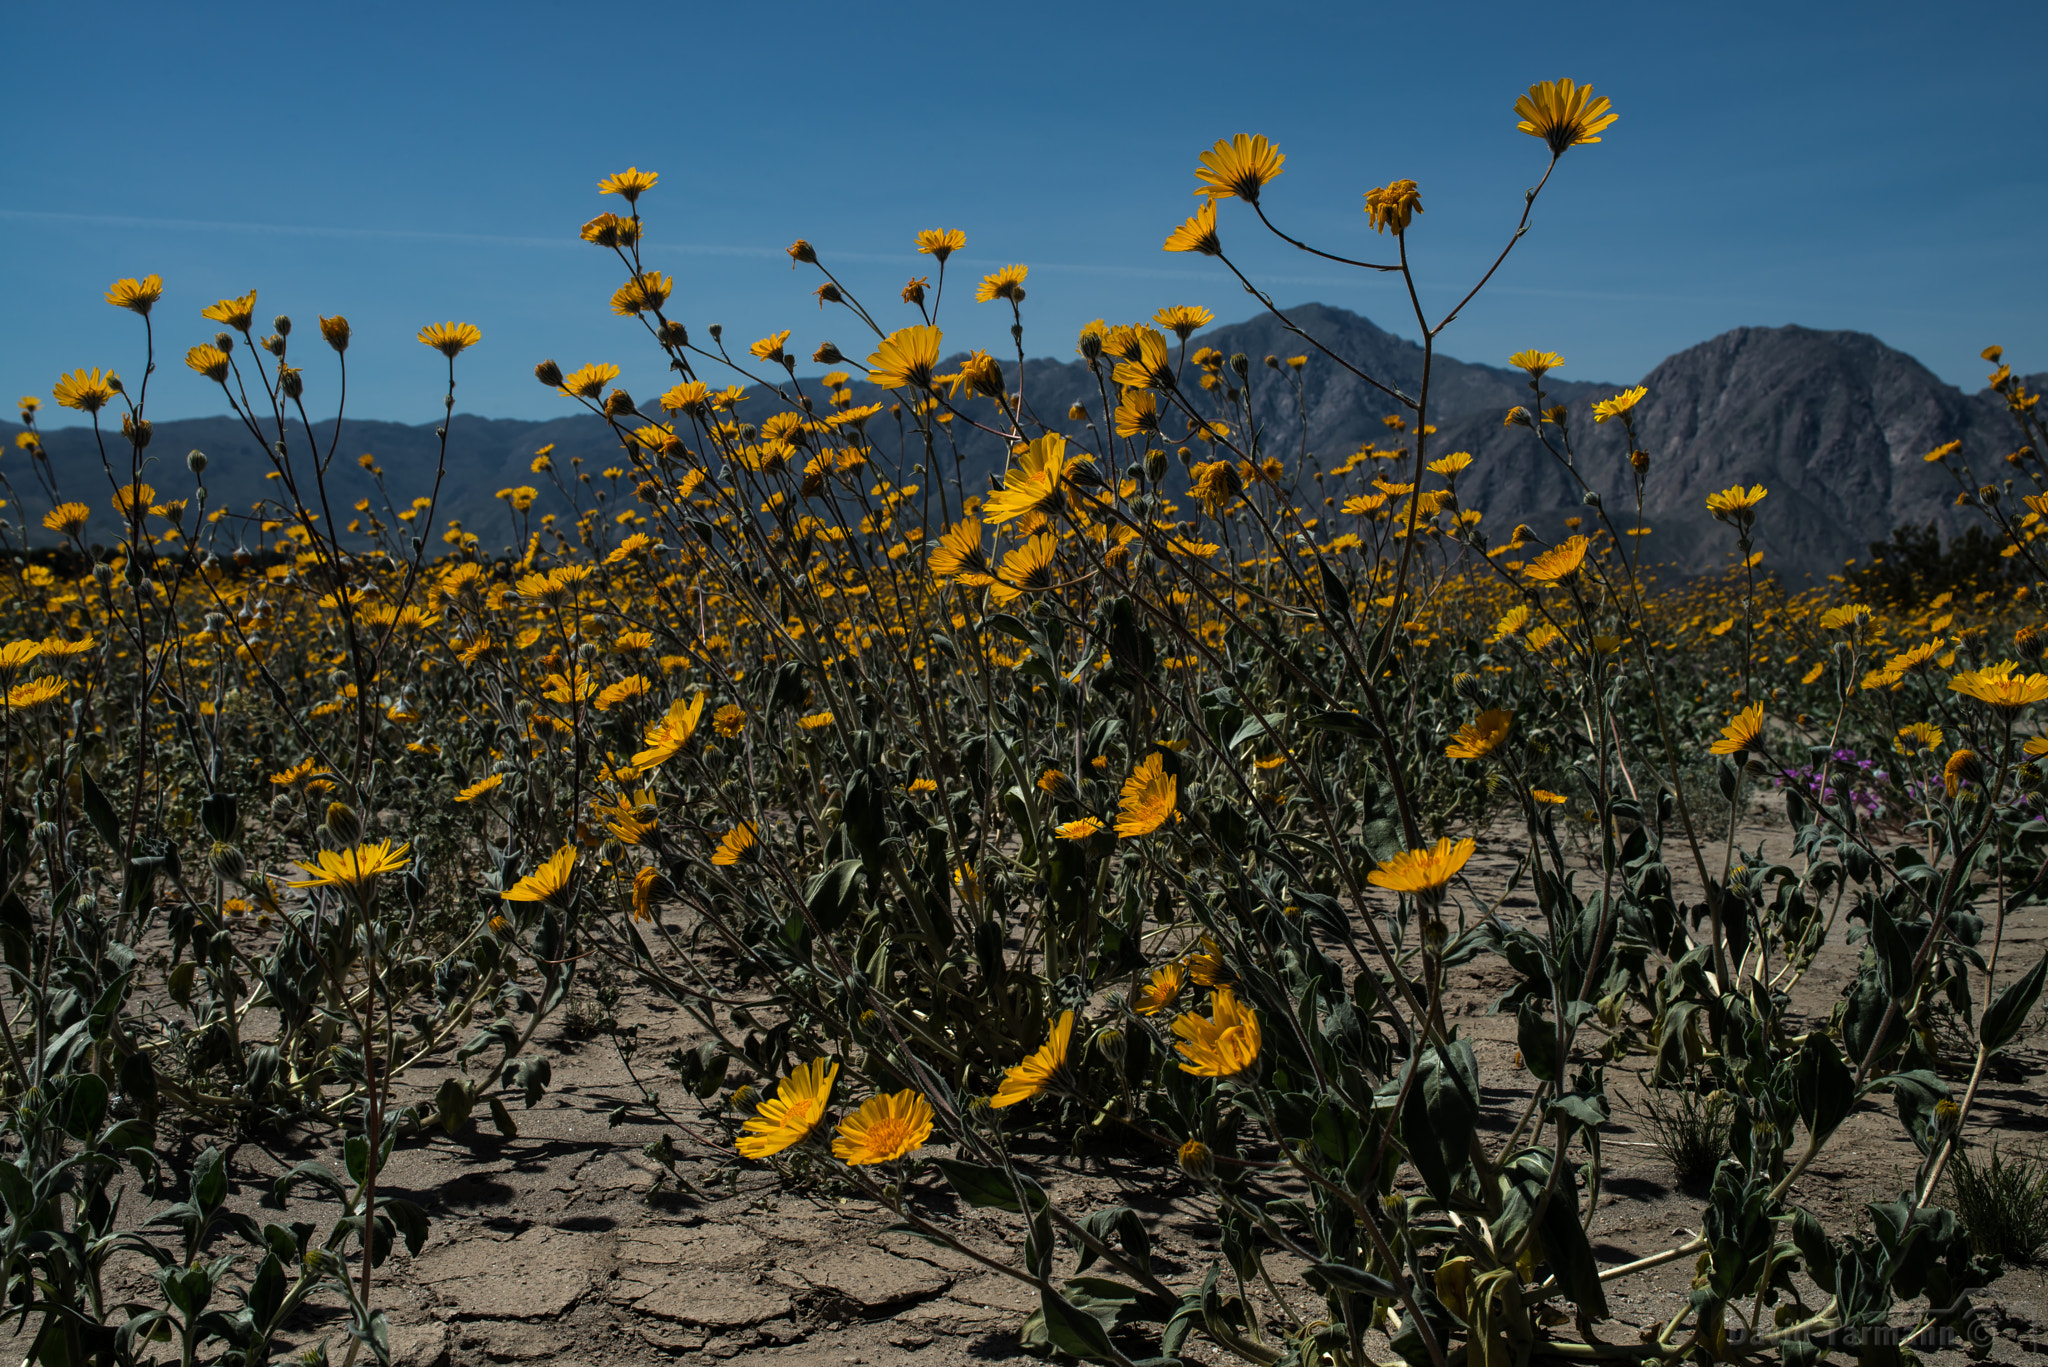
x=1074 y=1330
x=1536 y=1036
x=209 y=1179
x=2008 y=1010
x=833 y=894
x=1357 y=1281
x=1827 y=1089
x=987 y=1187
x=100 y=812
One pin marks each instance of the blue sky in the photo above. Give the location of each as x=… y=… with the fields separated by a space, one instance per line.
x=1874 y=167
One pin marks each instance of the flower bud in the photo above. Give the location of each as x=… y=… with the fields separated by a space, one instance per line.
x=717 y=331
x=227 y=862
x=801 y=250
x=343 y=823
x=1197 y=1162
x=195 y=461
x=283 y=324
x=335 y=330
x=1109 y=1042
x=618 y=404
x=673 y=334
x=827 y=354
x=1155 y=465
x=274 y=344
x=136 y=430
x=549 y=374
x=224 y=340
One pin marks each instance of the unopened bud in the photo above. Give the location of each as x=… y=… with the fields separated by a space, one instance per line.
x=227 y=862
x=1197 y=1162
x=549 y=374
x=195 y=461
x=343 y=823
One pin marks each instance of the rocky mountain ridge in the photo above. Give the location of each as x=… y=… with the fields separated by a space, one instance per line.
x=1835 y=424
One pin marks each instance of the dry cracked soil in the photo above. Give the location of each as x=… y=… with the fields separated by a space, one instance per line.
x=568 y=1244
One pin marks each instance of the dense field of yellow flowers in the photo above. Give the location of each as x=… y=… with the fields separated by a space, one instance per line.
x=1134 y=791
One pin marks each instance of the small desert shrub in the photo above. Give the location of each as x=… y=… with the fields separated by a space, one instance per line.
x=2002 y=1202
x=1689 y=1127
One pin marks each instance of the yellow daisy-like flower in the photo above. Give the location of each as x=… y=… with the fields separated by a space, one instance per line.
x=1226 y=1044
x=920 y=787
x=1183 y=319
x=209 y=361
x=1027 y=569
x=649 y=290
x=626 y=689
x=35 y=693
x=137 y=296
x=1548 y=798
x=1038 y=482
x=884 y=1129
x=734 y=845
x=1138 y=414
x=789 y=1117
x=906 y=358
x=1603 y=409
x=1537 y=363
x=450 y=338
x=67 y=519
x=1040 y=1072
x=1148 y=363
x=1962 y=767
x=1997 y=687
x=88 y=391
x=1847 y=615
x=1393 y=206
x=551 y=882
x=940 y=242
x=1743 y=733
x=1736 y=502
x=1922 y=736
x=587 y=383
x=1423 y=872
x=1240 y=166
x=1080 y=829
x=355 y=868
x=1452 y=464
x=1149 y=796
x=817 y=721
x=1481 y=738
x=665 y=739
x=1160 y=990
x=1813 y=676
x=2036 y=747
x=1563 y=114
x=1007 y=283
x=729 y=720
x=770 y=348
x=480 y=787
x=236 y=313
x=630 y=183
x=1206 y=964
x=648 y=887
x=1559 y=561
x=1198 y=234
x=1511 y=622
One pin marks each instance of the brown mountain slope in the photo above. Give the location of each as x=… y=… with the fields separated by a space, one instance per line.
x=1833 y=423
